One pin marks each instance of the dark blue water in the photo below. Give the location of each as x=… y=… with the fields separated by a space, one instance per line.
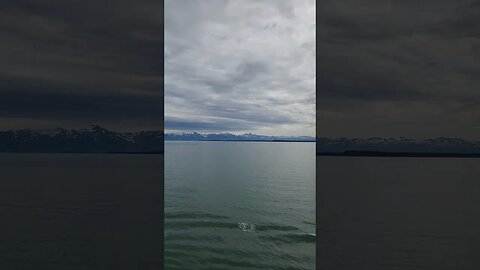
x=398 y=213
x=80 y=211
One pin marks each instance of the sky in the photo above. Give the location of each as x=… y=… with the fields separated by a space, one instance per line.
x=398 y=68
x=240 y=66
x=74 y=63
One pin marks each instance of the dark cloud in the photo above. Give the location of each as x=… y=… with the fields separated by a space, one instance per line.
x=398 y=68
x=72 y=63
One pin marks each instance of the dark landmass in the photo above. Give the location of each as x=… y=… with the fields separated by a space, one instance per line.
x=398 y=147
x=194 y=136
x=247 y=140
x=94 y=139
x=138 y=153
x=293 y=141
x=399 y=154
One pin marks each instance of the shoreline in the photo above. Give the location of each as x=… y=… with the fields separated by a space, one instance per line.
x=113 y=152
x=397 y=154
x=235 y=141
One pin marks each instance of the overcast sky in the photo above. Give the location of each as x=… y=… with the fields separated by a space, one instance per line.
x=74 y=63
x=240 y=66
x=398 y=68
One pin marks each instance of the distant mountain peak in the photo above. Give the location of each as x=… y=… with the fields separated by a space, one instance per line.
x=95 y=139
x=226 y=136
x=97 y=128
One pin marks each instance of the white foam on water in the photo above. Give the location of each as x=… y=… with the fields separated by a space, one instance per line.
x=246 y=227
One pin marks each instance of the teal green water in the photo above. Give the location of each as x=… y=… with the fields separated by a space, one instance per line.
x=239 y=205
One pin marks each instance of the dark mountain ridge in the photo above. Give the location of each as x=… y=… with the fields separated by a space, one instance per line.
x=94 y=139
x=397 y=145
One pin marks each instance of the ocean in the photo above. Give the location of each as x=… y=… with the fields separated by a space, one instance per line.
x=239 y=205
x=81 y=211
x=398 y=213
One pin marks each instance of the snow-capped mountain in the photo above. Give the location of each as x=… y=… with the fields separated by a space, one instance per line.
x=400 y=144
x=194 y=136
x=94 y=139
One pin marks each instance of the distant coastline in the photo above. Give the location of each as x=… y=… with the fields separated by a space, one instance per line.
x=435 y=145
x=397 y=154
x=96 y=139
x=193 y=140
x=247 y=137
x=79 y=152
x=398 y=147
x=93 y=139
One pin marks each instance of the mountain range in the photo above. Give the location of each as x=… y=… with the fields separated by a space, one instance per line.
x=94 y=139
x=397 y=145
x=194 y=136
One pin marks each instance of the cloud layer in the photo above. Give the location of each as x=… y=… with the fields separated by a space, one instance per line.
x=398 y=68
x=240 y=66
x=72 y=63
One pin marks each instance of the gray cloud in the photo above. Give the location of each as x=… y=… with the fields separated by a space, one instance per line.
x=71 y=63
x=398 y=68
x=240 y=66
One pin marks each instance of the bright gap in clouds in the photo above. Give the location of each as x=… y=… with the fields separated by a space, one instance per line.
x=240 y=66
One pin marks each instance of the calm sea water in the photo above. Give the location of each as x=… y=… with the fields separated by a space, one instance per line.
x=239 y=205
x=398 y=213
x=80 y=211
